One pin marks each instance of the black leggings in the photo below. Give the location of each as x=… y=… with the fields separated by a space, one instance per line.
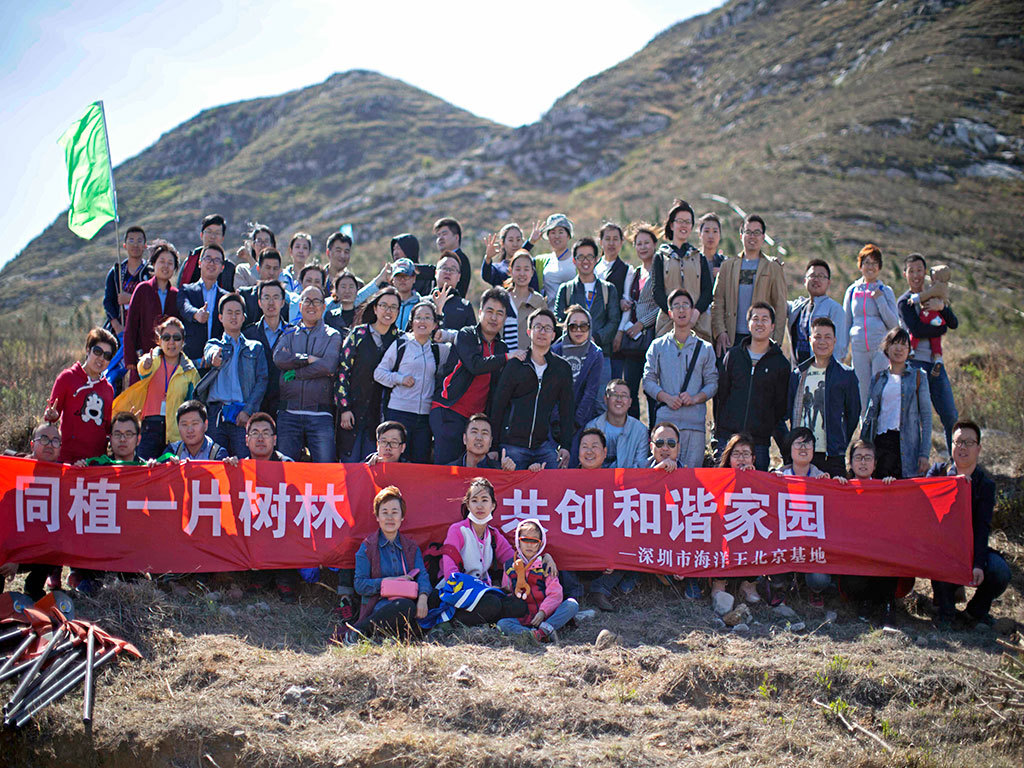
x=396 y=616
x=887 y=455
x=870 y=589
x=491 y=607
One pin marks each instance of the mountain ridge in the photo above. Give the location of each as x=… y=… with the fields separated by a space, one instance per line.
x=842 y=122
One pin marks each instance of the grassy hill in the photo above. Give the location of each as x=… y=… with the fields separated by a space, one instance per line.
x=842 y=122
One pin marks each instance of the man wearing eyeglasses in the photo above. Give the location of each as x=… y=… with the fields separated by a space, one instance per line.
x=817 y=303
x=198 y=302
x=526 y=397
x=308 y=357
x=470 y=376
x=267 y=330
x=391 y=437
x=991 y=574
x=456 y=312
x=81 y=399
x=211 y=231
x=742 y=282
x=600 y=298
x=625 y=437
x=261 y=438
x=681 y=374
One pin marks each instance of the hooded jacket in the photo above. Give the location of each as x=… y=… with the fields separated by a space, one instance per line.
x=545 y=589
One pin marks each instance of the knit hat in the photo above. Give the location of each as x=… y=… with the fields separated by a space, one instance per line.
x=557 y=220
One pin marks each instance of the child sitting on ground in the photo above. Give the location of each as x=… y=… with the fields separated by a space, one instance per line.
x=532 y=576
x=937 y=289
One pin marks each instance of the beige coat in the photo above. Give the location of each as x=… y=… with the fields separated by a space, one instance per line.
x=685 y=275
x=769 y=286
x=533 y=302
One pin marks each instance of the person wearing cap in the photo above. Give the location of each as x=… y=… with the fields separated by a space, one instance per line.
x=556 y=267
x=403 y=277
x=404 y=246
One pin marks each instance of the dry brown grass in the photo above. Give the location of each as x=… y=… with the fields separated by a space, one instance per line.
x=211 y=691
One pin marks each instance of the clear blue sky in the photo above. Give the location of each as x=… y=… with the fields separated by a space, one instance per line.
x=156 y=64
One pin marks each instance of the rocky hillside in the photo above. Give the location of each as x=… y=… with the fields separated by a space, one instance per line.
x=843 y=122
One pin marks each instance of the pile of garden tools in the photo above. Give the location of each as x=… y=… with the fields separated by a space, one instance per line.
x=45 y=653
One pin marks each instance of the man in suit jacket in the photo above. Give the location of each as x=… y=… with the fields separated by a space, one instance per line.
x=269 y=269
x=198 y=302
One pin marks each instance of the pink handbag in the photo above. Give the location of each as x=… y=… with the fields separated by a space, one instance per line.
x=393 y=587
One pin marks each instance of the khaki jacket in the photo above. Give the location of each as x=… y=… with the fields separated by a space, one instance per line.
x=769 y=286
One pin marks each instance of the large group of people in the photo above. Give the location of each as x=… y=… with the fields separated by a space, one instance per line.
x=571 y=357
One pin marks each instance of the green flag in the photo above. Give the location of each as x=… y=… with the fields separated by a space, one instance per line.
x=90 y=179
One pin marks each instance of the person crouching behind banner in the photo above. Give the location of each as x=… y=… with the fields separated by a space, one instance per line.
x=873 y=595
x=261 y=438
x=44 y=446
x=167 y=379
x=472 y=550
x=738 y=455
x=390 y=577
x=195 y=444
x=800 y=446
x=532 y=577
x=125 y=432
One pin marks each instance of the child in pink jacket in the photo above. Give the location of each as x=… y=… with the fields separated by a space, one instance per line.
x=532 y=576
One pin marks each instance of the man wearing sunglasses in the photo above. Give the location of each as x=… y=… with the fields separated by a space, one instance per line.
x=664 y=447
x=81 y=399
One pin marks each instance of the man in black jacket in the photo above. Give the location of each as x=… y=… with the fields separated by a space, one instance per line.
x=198 y=303
x=991 y=574
x=753 y=386
x=211 y=231
x=269 y=269
x=528 y=392
x=267 y=330
x=448 y=234
x=470 y=376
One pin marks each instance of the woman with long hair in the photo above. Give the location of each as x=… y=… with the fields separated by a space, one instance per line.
x=153 y=300
x=497 y=263
x=523 y=297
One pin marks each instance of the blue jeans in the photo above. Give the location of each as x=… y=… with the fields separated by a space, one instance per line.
x=563 y=615
x=606 y=582
x=942 y=399
x=296 y=431
x=153 y=438
x=547 y=455
x=228 y=435
x=363 y=445
x=448 y=428
x=417 y=434
x=997 y=577
x=632 y=372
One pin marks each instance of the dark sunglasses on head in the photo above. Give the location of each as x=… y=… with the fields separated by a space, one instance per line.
x=662 y=442
x=99 y=351
x=171 y=337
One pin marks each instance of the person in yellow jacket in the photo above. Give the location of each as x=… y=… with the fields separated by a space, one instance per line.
x=742 y=281
x=168 y=378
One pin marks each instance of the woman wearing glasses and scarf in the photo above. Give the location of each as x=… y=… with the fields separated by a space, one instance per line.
x=167 y=379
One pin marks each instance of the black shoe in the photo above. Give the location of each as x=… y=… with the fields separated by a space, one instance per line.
x=944 y=620
x=600 y=600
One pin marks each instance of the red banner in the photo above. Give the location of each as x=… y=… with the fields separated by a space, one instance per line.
x=208 y=516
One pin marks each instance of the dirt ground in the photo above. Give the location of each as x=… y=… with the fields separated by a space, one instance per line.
x=255 y=683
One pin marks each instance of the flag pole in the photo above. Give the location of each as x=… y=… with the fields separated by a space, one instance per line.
x=117 y=228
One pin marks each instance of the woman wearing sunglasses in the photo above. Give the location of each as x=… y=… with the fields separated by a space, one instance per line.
x=739 y=455
x=167 y=379
x=81 y=399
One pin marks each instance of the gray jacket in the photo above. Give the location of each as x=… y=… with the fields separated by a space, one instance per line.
x=417 y=361
x=632 y=448
x=312 y=386
x=665 y=371
x=915 y=416
x=252 y=370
